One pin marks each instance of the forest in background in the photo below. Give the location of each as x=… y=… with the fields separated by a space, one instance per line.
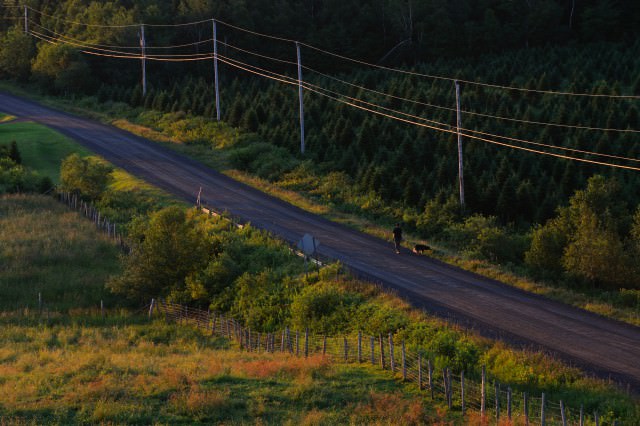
x=581 y=47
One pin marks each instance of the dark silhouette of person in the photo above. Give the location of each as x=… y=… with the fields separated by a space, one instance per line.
x=397 y=237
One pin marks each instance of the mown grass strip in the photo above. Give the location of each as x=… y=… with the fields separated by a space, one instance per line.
x=41 y=148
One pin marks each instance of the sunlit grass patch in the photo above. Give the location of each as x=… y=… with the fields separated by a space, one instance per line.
x=47 y=249
x=41 y=148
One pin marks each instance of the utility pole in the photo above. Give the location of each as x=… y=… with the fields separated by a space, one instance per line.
x=215 y=67
x=26 y=19
x=301 y=103
x=143 y=45
x=458 y=125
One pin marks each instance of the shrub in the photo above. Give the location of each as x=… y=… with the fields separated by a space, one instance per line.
x=87 y=176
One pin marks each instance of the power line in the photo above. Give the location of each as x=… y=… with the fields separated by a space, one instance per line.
x=355 y=102
x=413 y=73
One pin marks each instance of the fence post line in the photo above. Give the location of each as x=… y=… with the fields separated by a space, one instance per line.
x=306 y=342
x=419 y=371
x=562 y=414
x=526 y=408
x=462 y=392
x=392 y=359
x=404 y=362
x=381 y=351
x=359 y=346
x=542 y=413
x=373 y=348
x=430 y=372
x=483 y=392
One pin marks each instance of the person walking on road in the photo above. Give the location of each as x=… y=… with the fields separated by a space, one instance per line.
x=397 y=237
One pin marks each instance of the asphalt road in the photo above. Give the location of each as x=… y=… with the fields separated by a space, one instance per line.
x=601 y=346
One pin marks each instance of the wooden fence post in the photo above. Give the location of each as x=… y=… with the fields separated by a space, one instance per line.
x=102 y=309
x=359 y=346
x=392 y=359
x=449 y=389
x=153 y=301
x=581 y=415
x=282 y=342
x=496 y=387
x=419 y=371
x=404 y=362
x=509 y=403
x=306 y=342
x=324 y=345
x=381 y=351
x=542 y=413
x=297 y=343
x=462 y=392
x=430 y=372
x=562 y=414
x=596 y=418
x=346 y=349
x=483 y=392
x=525 y=403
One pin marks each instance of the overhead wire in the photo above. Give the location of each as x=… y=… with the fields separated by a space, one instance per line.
x=451 y=129
x=176 y=46
x=355 y=102
x=326 y=52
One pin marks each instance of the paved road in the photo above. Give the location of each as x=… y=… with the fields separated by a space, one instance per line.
x=602 y=346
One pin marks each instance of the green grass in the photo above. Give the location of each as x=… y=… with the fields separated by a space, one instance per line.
x=41 y=148
x=47 y=249
x=161 y=374
x=71 y=366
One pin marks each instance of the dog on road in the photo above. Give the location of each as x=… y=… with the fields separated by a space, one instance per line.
x=420 y=248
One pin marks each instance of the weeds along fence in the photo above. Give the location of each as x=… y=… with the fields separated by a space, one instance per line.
x=102 y=223
x=493 y=401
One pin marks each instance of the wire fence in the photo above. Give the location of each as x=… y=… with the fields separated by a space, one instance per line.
x=495 y=402
x=102 y=223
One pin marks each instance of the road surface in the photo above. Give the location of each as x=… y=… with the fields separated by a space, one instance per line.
x=601 y=346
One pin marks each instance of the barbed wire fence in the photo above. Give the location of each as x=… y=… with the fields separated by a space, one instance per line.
x=493 y=401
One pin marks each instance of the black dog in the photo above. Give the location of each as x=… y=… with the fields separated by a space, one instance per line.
x=420 y=248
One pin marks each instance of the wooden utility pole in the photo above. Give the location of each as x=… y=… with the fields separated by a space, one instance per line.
x=458 y=126
x=143 y=46
x=215 y=67
x=301 y=102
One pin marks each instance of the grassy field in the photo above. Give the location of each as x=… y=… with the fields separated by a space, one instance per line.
x=47 y=249
x=159 y=374
x=74 y=367
x=40 y=147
